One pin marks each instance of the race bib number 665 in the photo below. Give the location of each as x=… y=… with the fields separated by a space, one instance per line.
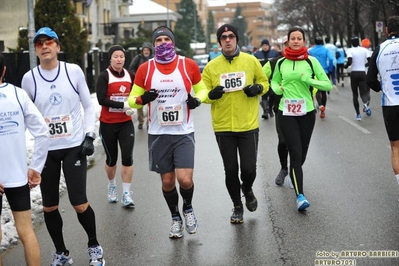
x=232 y=81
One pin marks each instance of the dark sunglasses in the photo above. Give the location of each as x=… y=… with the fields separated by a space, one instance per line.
x=39 y=43
x=230 y=36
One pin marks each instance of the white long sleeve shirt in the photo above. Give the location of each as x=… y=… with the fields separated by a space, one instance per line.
x=18 y=113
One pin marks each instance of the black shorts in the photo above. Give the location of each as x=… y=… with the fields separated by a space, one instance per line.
x=168 y=152
x=18 y=198
x=74 y=167
x=391 y=120
x=110 y=135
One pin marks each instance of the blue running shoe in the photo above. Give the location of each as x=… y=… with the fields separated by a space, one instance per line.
x=367 y=109
x=302 y=202
x=358 y=117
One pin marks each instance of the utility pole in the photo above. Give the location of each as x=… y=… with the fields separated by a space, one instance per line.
x=31 y=34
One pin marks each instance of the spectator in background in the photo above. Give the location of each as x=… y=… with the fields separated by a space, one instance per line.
x=325 y=58
x=340 y=63
x=146 y=53
x=244 y=49
x=215 y=53
x=264 y=55
x=334 y=52
x=251 y=49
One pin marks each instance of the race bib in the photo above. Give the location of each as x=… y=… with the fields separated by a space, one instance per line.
x=294 y=107
x=117 y=99
x=60 y=126
x=232 y=81
x=170 y=115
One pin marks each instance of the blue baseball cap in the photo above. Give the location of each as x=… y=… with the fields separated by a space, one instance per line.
x=45 y=31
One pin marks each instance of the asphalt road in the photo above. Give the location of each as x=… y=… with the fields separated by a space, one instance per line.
x=348 y=181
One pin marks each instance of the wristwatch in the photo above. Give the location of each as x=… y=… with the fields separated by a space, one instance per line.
x=91 y=135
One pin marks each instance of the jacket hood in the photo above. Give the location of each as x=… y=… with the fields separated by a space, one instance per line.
x=147 y=45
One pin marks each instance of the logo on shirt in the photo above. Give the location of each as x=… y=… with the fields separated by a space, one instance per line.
x=55 y=98
x=8 y=126
x=3 y=96
x=122 y=89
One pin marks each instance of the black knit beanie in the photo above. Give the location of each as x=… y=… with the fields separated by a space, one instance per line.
x=227 y=27
x=113 y=49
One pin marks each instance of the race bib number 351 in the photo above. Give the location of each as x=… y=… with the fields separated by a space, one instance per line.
x=60 y=126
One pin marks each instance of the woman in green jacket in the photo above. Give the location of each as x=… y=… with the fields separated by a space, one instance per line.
x=294 y=78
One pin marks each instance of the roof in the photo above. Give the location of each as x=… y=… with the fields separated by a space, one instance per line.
x=147 y=7
x=225 y=2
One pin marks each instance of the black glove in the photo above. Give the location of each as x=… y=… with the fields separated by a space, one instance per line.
x=87 y=146
x=216 y=93
x=149 y=96
x=253 y=90
x=346 y=66
x=192 y=102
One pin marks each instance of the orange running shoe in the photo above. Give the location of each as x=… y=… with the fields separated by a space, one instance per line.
x=322 y=111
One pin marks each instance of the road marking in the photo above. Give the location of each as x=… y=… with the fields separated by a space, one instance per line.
x=355 y=124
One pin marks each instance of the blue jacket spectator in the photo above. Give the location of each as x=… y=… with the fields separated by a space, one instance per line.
x=322 y=54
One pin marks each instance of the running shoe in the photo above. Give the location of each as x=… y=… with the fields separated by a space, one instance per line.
x=237 y=216
x=127 y=201
x=335 y=88
x=322 y=111
x=96 y=256
x=302 y=202
x=281 y=177
x=358 y=117
x=251 y=202
x=271 y=114
x=191 y=221
x=366 y=109
x=112 y=194
x=140 y=126
x=62 y=259
x=342 y=84
x=176 y=230
x=265 y=116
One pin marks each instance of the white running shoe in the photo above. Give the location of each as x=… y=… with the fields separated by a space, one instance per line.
x=176 y=230
x=96 y=256
x=127 y=200
x=62 y=260
x=112 y=194
x=191 y=221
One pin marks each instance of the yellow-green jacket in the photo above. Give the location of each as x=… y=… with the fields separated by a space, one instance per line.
x=235 y=111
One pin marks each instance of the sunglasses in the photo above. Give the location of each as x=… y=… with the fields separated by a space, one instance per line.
x=230 y=36
x=39 y=43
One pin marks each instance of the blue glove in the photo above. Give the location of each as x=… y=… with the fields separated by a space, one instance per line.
x=87 y=146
